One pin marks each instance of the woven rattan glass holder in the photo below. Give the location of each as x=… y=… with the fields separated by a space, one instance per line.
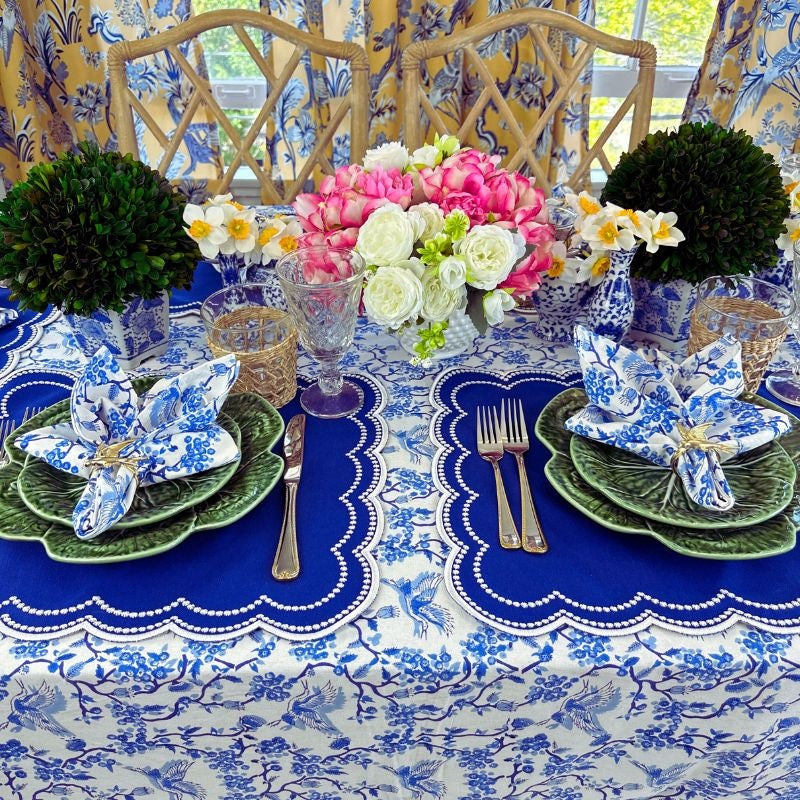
x=239 y=320
x=754 y=312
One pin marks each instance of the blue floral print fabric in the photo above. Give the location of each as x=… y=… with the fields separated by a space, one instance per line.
x=684 y=417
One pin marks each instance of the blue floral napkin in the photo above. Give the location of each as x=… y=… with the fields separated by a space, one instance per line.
x=118 y=440
x=684 y=416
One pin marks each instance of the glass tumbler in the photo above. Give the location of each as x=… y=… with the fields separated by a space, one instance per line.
x=322 y=286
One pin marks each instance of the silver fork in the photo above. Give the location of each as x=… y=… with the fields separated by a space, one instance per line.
x=490 y=448
x=8 y=426
x=515 y=441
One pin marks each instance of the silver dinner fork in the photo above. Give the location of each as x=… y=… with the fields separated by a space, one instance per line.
x=490 y=448
x=8 y=426
x=515 y=441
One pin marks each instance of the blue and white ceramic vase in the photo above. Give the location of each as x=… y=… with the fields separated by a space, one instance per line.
x=610 y=311
x=139 y=331
x=558 y=305
x=231 y=267
x=661 y=309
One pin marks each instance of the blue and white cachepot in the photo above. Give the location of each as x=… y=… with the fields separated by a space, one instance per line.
x=610 y=311
x=558 y=304
x=139 y=331
x=662 y=309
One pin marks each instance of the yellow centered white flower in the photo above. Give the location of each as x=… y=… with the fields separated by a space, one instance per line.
x=490 y=254
x=602 y=232
x=393 y=296
x=276 y=238
x=786 y=240
x=636 y=221
x=563 y=269
x=586 y=207
x=793 y=190
x=663 y=231
x=594 y=268
x=241 y=229
x=387 y=236
x=206 y=228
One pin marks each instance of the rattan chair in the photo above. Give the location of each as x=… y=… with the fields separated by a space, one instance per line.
x=417 y=104
x=124 y=102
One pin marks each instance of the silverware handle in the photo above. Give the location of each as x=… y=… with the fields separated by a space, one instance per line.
x=533 y=540
x=287 y=563
x=509 y=536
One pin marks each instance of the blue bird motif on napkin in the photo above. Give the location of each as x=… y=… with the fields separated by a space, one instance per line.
x=119 y=441
x=418 y=779
x=681 y=416
x=171 y=778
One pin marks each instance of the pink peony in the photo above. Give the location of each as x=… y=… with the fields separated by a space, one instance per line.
x=526 y=277
x=471 y=205
x=345 y=178
x=342 y=208
x=527 y=223
x=390 y=185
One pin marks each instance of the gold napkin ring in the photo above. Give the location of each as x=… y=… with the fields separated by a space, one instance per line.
x=695 y=439
x=108 y=455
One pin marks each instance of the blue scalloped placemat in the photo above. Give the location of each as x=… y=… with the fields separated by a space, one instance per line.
x=20 y=334
x=591 y=578
x=217 y=583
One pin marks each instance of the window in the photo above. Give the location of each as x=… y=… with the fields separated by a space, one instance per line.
x=678 y=30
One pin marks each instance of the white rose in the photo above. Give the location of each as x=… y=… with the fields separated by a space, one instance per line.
x=432 y=217
x=414 y=264
x=389 y=155
x=426 y=156
x=417 y=221
x=386 y=237
x=439 y=302
x=495 y=304
x=393 y=296
x=490 y=253
x=453 y=272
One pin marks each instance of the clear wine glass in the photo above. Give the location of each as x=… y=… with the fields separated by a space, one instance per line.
x=322 y=286
x=785 y=385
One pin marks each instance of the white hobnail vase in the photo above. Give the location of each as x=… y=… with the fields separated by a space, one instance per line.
x=459 y=338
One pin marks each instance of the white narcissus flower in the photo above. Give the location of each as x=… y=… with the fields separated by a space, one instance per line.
x=593 y=268
x=786 y=241
x=792 y=189
x=387 y=236
x=426 y=156
x=241 y=229
x=391 y=155
x=439 y=301
x=453 y=271
x=205 y=227
x=563 y=269
x=495 y=305
x=602 y=231
x=432 y=216
x=393 y=296
x=276 y=238
x=490 y=253
x=585 y=205
x=638 y=222
x=662 y=231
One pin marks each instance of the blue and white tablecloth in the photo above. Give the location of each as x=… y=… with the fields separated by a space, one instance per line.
x=414 y=699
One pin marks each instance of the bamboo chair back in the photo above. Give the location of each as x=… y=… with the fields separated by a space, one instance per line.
x=124 y=102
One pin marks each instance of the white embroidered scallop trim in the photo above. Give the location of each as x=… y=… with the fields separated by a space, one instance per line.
x=260 y=621
x=19 y=344
x=458 y=552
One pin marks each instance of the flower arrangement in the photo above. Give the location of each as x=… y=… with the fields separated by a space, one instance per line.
x=791 y=233
x=224 y=227
x=605 y=227
x=442 y=230
x=93 y=230
x=726 y=190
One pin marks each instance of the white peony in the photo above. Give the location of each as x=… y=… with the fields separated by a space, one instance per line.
x=438 y=301
x=490 y=253
x=393 y=296
x=433 y=220
x=426 y=156
x=389 y=155
x=387 y=236
x=453 y=272
x=495 y=304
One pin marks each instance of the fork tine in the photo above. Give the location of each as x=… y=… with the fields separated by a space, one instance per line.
x=503 y=424
x=521 y=427
x=496 y=436
x=480 y=430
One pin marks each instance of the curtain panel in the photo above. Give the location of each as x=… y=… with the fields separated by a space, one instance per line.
x=750 y=76
x=54 y=92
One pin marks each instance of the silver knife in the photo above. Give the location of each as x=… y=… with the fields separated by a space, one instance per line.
x=287 y=563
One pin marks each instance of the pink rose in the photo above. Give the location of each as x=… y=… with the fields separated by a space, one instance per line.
x=526 y=277
x=390 y=185
x=345 y=178
x=528 y=225
x=470 y=204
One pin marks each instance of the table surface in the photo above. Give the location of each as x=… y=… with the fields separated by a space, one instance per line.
x=415 y=699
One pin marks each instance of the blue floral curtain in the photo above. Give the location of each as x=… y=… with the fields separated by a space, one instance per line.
x=750 y=76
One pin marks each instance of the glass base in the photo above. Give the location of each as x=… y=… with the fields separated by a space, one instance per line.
x=785 y=386
x=330 y=406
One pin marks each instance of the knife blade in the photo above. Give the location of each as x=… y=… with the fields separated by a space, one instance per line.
x=286 y=565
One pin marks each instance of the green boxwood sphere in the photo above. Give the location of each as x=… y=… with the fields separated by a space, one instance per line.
x=93 y=230
x=726 y=191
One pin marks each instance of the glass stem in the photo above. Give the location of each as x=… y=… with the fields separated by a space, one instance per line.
x=330 y=381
